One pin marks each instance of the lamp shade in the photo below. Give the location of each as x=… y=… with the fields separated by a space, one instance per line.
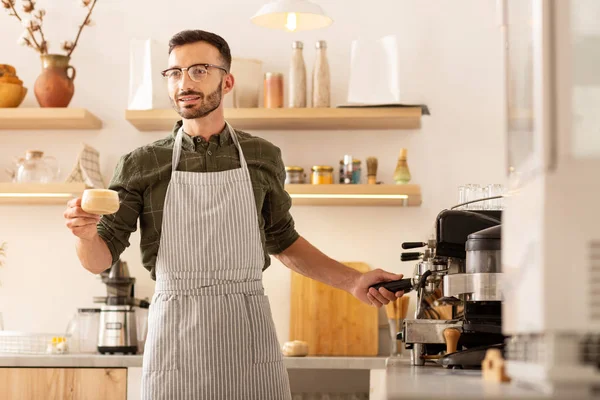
x=291 y=15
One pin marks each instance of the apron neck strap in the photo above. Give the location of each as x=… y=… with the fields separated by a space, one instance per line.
x=179 y=139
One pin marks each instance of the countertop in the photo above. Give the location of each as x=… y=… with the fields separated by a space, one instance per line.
x=404 y=381
x=120 y=361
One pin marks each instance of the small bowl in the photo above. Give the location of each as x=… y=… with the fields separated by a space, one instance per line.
x=100 y=201
x=11 y=95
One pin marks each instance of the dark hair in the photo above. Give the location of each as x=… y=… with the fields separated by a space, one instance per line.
x=193 y=36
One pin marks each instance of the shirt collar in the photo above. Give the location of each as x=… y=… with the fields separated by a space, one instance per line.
x=188 y=142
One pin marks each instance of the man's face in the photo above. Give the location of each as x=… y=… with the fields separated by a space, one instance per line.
x=197 y=99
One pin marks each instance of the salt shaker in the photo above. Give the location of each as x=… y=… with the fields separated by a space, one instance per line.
x=321 y=77
x=297 y=79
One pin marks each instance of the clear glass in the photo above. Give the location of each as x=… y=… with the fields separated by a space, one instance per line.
x=89 y=325
x=585 y=67
x=461 y=197
x=474 y=191
x=493 y=190
x=141 y=319
x=519 y=70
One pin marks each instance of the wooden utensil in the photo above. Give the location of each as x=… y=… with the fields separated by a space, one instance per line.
x=371 y=170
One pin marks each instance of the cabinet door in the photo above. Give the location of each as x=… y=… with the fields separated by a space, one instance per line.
x=64 y=383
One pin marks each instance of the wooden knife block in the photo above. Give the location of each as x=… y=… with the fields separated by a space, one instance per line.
x=332 y=321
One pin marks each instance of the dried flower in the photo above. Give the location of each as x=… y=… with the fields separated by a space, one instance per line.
x=28 y=5
x=24 y=39
x=2 y=253
x=31 y=24
x=40 y=14
x=66 y=45
x=34 y=36
x=8 y=3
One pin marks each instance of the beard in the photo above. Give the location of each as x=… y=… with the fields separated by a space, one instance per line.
x=207 y=104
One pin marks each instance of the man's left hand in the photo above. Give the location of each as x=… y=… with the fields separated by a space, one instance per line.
x=362 y=290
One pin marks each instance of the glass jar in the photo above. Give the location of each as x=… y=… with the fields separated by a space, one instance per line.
x=273 y=90
x=36 y=168
x=294 y=175
x=322 y=175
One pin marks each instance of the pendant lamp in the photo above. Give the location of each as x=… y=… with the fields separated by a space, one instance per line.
x=291 y=16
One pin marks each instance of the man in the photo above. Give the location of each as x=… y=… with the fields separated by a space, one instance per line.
x=212 y=207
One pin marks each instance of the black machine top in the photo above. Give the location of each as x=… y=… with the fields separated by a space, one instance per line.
x=453 y=227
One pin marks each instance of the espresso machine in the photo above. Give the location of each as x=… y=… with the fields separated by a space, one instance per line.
x=457 y=281
x=118 y=325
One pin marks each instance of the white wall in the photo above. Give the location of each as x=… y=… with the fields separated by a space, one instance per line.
x=450 y=54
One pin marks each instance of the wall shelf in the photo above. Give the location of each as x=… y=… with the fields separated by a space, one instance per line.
x=48 y=118
x=39 y=193
x=292 y=118
x=355 y=195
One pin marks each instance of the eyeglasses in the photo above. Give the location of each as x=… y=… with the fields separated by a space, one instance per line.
x=196 y=72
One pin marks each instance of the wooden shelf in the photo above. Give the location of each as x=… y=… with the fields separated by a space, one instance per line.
x=355 y=195
x=292 y=118
x=39 y=193
x=48 y=118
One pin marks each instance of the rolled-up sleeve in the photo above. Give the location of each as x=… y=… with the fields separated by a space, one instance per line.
x=280 y=231
x=115 y=229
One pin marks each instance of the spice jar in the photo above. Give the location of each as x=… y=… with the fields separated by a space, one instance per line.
x=350 y=173
x=294 y=174
x=273 y=90
x=322 y=175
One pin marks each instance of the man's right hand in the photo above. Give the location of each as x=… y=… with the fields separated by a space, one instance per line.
x=81 y=223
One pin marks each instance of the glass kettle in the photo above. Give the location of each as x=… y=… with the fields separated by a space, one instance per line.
x=35 y=168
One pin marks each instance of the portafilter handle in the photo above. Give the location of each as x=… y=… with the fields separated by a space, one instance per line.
x=410 y=256
x=413 y=245
x=405 y=285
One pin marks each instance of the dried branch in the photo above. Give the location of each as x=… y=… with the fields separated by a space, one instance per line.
x=85 y=22
x=14 y=12
x=40 y=17
x=2 y=253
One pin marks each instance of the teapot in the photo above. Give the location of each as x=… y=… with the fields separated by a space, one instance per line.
x=35 y=168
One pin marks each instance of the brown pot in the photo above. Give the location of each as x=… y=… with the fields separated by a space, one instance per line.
x=54 y=87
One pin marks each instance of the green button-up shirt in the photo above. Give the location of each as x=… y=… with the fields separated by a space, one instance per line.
x=142 y=176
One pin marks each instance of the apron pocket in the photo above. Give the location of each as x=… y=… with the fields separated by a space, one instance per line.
x=161 y=352
x=264 y=342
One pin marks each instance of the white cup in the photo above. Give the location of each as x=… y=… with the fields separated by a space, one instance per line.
x=100 y=201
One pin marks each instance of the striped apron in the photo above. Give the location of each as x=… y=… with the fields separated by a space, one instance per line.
x=211 y=334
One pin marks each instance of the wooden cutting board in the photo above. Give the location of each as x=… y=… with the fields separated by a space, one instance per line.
x=332 y=321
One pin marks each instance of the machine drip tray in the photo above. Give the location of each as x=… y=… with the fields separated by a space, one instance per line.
x=468 y=359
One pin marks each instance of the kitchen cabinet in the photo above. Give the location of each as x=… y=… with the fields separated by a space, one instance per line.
x=64 y=383
x=292 y=118
x=48 y=118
